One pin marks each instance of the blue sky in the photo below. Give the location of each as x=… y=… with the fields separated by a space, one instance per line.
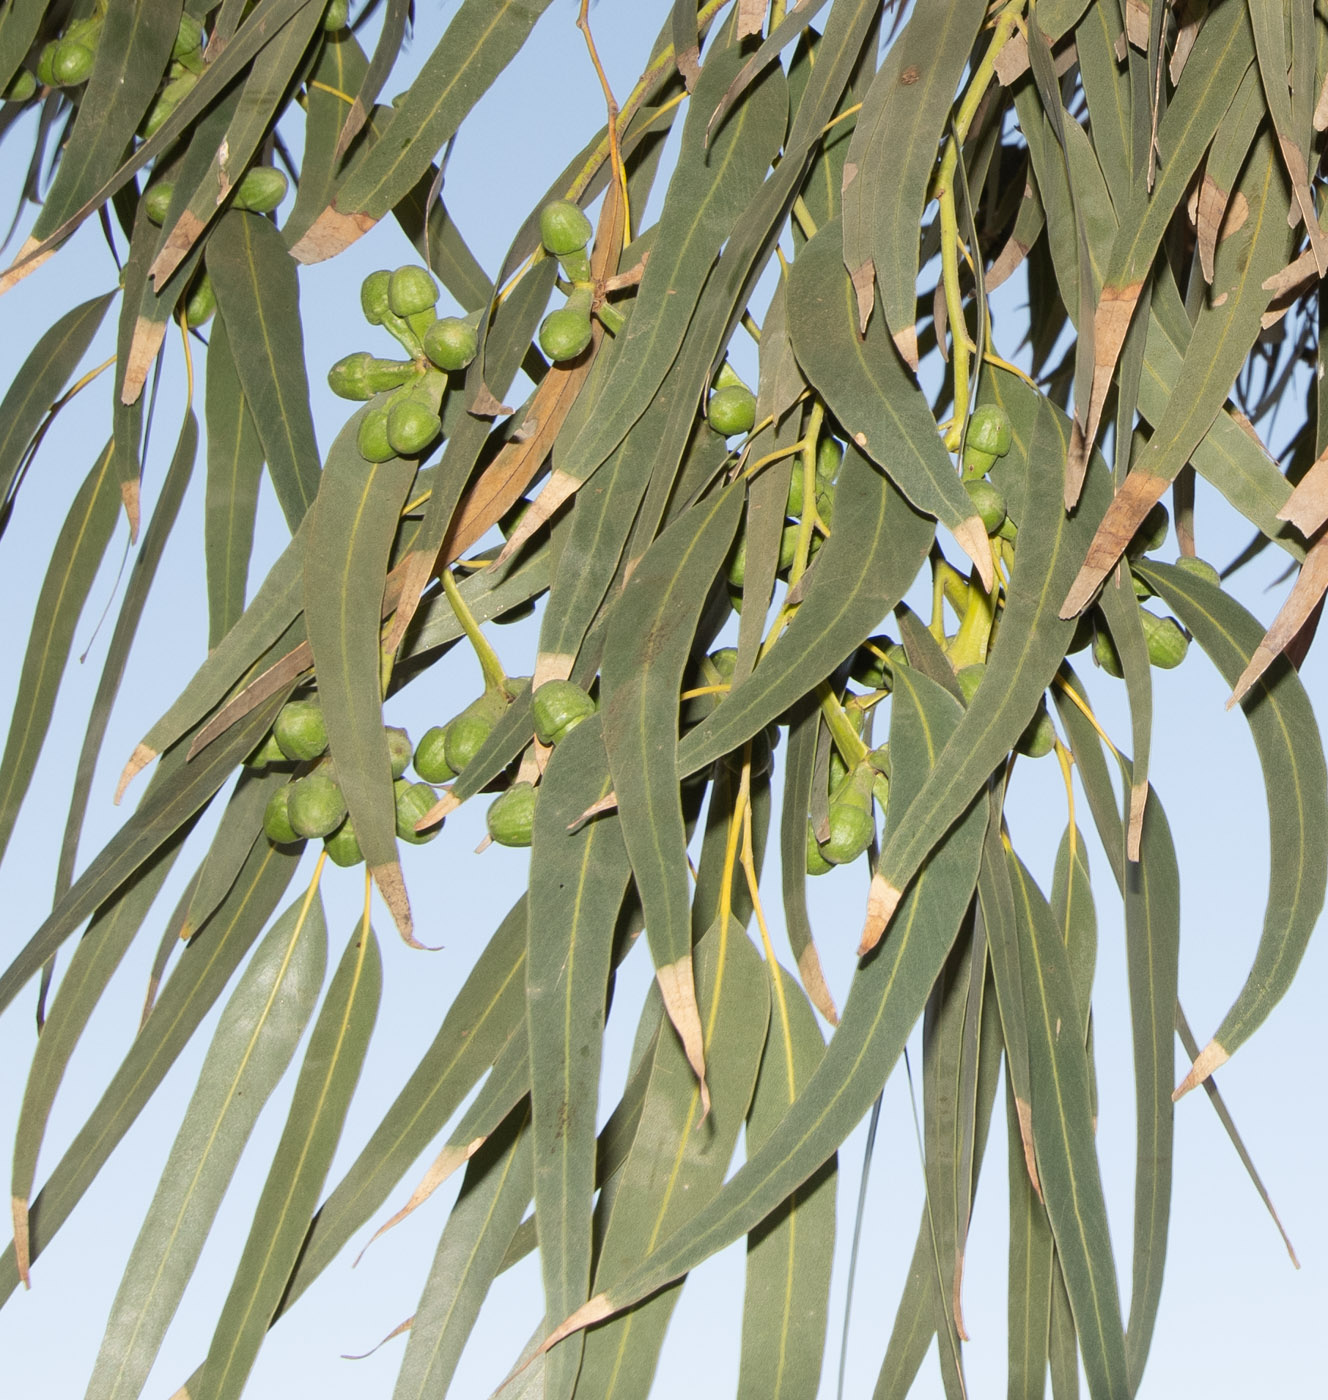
x=1235 y=1319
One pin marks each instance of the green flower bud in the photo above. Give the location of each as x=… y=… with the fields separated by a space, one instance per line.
x=414 y=801
x=157 y=201
x=276 y=818
x=852 y=827
x=1105 y=653
x=338 y=12
x=451 y=343
x=732 y=410
x=1167 y=642
x=970 y=678
x=412 y=426
x=343 y=847
x=316 y=806
x=22 y=87
x=261 y=189
x=868 y=666
x=166 y=102
x=511 y=815
x=72 y=63
x=202 y=302
x=468 y=731
x=988 y=502
x=188 y=37
x=46 y=64
x=431 y=756
x=557 y=708
x=410 y=290
x=1151 y=534
x=266 y=754
x=1200 y=568
x=300 y=731
x=829 y=458
x=564 y=228
x=373 y=297
x=989 y=430
x=372 y=438
x=816 y=862
x=399 y=749
x=725 y=661
x=564 y=334
x=1039 y=736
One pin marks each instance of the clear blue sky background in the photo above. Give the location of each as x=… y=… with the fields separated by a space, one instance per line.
x=1236 y=1319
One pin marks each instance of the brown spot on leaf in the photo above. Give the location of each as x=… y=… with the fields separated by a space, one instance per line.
x=148 y=336
x=22 y=1246
x=864 y=289
x=24 y=264
x=677 y=987
x=1306 y=593
x=131 y=499
x=442 y=1166
x=972 y=538
x=178 y=243
x=1307 y=506
x=906 y=342
x=138 y=761
x=1211 y=1058
x=1137 y=496
x=910 y=75
x=332 y=232
x=813 y=983
x=882 y=901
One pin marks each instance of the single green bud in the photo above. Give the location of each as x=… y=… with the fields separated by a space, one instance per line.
x=725 y=661
x=468 y=731
x=22 y=87
x=451 y=343
x=879 y=758
x=852 y=827
x=1105 y=653
x=977 y=463
x=729 y=378
x=72 y=63
x=796 y=493
x=970 y=678
x=1200 y=568
x=414 y=801
x=825 y=503
x=564 y=334
x=46 y=64
x=157 y=201
x=316 y=806
x=1167 y=642
x=869 y=666
x=732 y=410
x=266 y=754
x=564 y=228
x=373 y=296
x=1083 y=633
x=558 y=707
x=166 y=102
x=1151 y=534
x=816 y=862
x=399 y=749
x=349 y=377
x=338 y=12
x=202 y=302
x=372 y=438
x=988 y=502
x=276 y=818
x=431 y=756
x=1039 y=736
x=261 y=190
x=412 y=426
x=300 y=731
x=410 y=290
x=511 y=815
x=342 y=846
x=829 y=458
x=989 y=430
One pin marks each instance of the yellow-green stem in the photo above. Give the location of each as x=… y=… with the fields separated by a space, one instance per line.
x=847 y=740
x=494 y=676
x=803 y=544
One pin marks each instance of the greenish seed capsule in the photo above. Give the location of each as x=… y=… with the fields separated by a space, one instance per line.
x=414 y=802
x=511 y=815
x=411 y=289
x=564 y=228
x=1152 y=533
x=825 y=503
x=1142 y=591
x=338 y=12
x=989 y=430
x=157 y=201
x=829 y=458
x=343 y=847
x=729 y=378
x=869 y=666
x=564 y=334
x=72 y=63
x=276 y=818
x=879 y=759
x=166 y=102
x=732 y=410
x=399 y=749
x=300 y=730
x=816 y=862
x=412 y=426
x=1105 y=653
x=22 y=87
x=316 y=806
x=451 y=343
x=557 y=707
x=261 y=189
x=373 y=296
x=1008 y=531
x=468 y=731
x=1167 y=642
x=1200 y=568
x=1039 y=736
x=970 y=678
x=349 y=377
x=266 y=754
x=977 y=463
x=202 y=303
x=431 y=756
x=372 y=438
x=1083 y=633
x=793 y=504
x=988 y=502
x=725 y=662
x=851 y=830
x=46 y=64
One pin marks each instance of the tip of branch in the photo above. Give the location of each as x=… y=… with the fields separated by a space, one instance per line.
x=1212 y=1057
